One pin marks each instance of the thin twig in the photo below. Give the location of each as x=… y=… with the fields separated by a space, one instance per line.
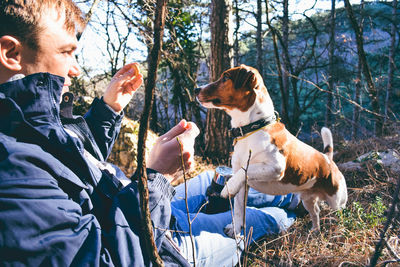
x=202 y=206
x=246 y=245
x=389 y=219
x=233 y=226
x=255 y=256
x=175 y=231
x=186 y=202
x=392 y=251
x=140 y=174
x=348 y=262
x=337 y=95
x=276 y=239
x=246 y=191
x=389 y=261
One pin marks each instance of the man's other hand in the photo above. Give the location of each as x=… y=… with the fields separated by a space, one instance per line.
x=165 y=156
x=122 y=87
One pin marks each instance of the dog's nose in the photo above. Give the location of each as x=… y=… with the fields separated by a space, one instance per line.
x=197 y=91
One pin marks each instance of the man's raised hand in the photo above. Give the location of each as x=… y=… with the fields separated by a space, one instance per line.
x=122 y=87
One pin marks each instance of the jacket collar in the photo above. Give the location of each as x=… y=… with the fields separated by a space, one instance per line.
x=33 y=99
x=35 y=93
x=29 y=112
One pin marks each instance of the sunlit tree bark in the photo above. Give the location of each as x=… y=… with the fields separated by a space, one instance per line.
x=217 y=138
x=140 y=174
x=357 y=89
x=372 y=91
x=332 y=76
x=260 y=53
x=392 y=65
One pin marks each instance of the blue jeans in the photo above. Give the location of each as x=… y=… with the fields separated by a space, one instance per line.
x=266 y=214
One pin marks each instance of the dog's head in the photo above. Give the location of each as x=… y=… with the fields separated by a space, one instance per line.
x=237 y=88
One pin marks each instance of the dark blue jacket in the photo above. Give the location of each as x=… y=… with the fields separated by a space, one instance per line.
x=57 y=208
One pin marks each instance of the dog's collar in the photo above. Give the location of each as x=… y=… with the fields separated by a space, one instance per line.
x=252 y=127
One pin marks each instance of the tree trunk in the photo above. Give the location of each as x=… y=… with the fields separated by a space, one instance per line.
x=357 y=91
x=154 y=116
x=140 y=174
x=218 y=141
x=236 y=44
x=357 y=99
x=260 y=61
x=373 y=93
x=389 y=87
x=285 y=102
x=285 y=56
x=332 y=75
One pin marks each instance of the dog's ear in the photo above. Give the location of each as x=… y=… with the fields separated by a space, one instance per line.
x=245 y=77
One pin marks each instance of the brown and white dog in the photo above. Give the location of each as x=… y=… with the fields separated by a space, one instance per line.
x=280 y=163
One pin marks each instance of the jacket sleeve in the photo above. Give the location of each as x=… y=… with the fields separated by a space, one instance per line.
x=104 y=123
x=42 y=222
x=39 y=223
x=125 y=237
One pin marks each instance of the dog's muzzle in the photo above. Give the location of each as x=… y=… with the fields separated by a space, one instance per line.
x=196 y=94
x=197 y=91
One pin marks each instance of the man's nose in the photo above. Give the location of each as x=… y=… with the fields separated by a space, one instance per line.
x=197 y=91
x=74 y=71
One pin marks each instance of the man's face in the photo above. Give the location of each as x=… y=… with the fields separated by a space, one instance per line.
x=56 y=50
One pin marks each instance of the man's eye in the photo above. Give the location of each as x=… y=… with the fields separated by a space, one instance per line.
x=68 y=52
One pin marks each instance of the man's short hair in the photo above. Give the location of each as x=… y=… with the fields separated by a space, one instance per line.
x=21 y=18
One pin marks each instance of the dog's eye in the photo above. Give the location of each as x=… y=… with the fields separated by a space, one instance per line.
x=216 y=101
x=225 y=78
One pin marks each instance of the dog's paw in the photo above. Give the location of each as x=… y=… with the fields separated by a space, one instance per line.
x=229 y=231
x=224 y=193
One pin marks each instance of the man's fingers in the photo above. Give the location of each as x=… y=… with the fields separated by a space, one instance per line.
x=175 y=131
x=127 y=72
x=124 y=76
x=192 y=131
x=128 y=68
x=133 y=84
x=122 y=71
x=186 y=156
x=188 y=160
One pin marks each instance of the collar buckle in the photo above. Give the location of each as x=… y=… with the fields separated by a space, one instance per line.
x=241 y=131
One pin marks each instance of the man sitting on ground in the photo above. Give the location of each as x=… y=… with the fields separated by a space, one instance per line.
x=59 y=203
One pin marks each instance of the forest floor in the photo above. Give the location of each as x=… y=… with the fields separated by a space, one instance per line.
x=347 y=237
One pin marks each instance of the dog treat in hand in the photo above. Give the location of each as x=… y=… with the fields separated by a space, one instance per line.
x=135 y=69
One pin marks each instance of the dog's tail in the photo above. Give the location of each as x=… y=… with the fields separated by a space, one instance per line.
x=328 y=142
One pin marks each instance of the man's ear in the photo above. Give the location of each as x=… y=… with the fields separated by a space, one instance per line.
x=10 y=53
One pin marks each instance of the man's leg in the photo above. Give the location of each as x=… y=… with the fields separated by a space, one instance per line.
x=196 y=192
x=198 y=185
x=212 y=246
x=261 y=200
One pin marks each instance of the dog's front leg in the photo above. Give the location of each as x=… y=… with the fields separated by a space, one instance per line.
x=273 y=171
x=268 y=172
x=238 y=212
x=234 y=184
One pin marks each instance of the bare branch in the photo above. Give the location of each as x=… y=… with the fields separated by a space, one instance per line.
x=186 y=202
x=338 y=95
x=233 y=226
x=140 y=174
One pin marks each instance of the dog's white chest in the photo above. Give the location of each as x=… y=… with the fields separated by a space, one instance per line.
x=260 y=146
